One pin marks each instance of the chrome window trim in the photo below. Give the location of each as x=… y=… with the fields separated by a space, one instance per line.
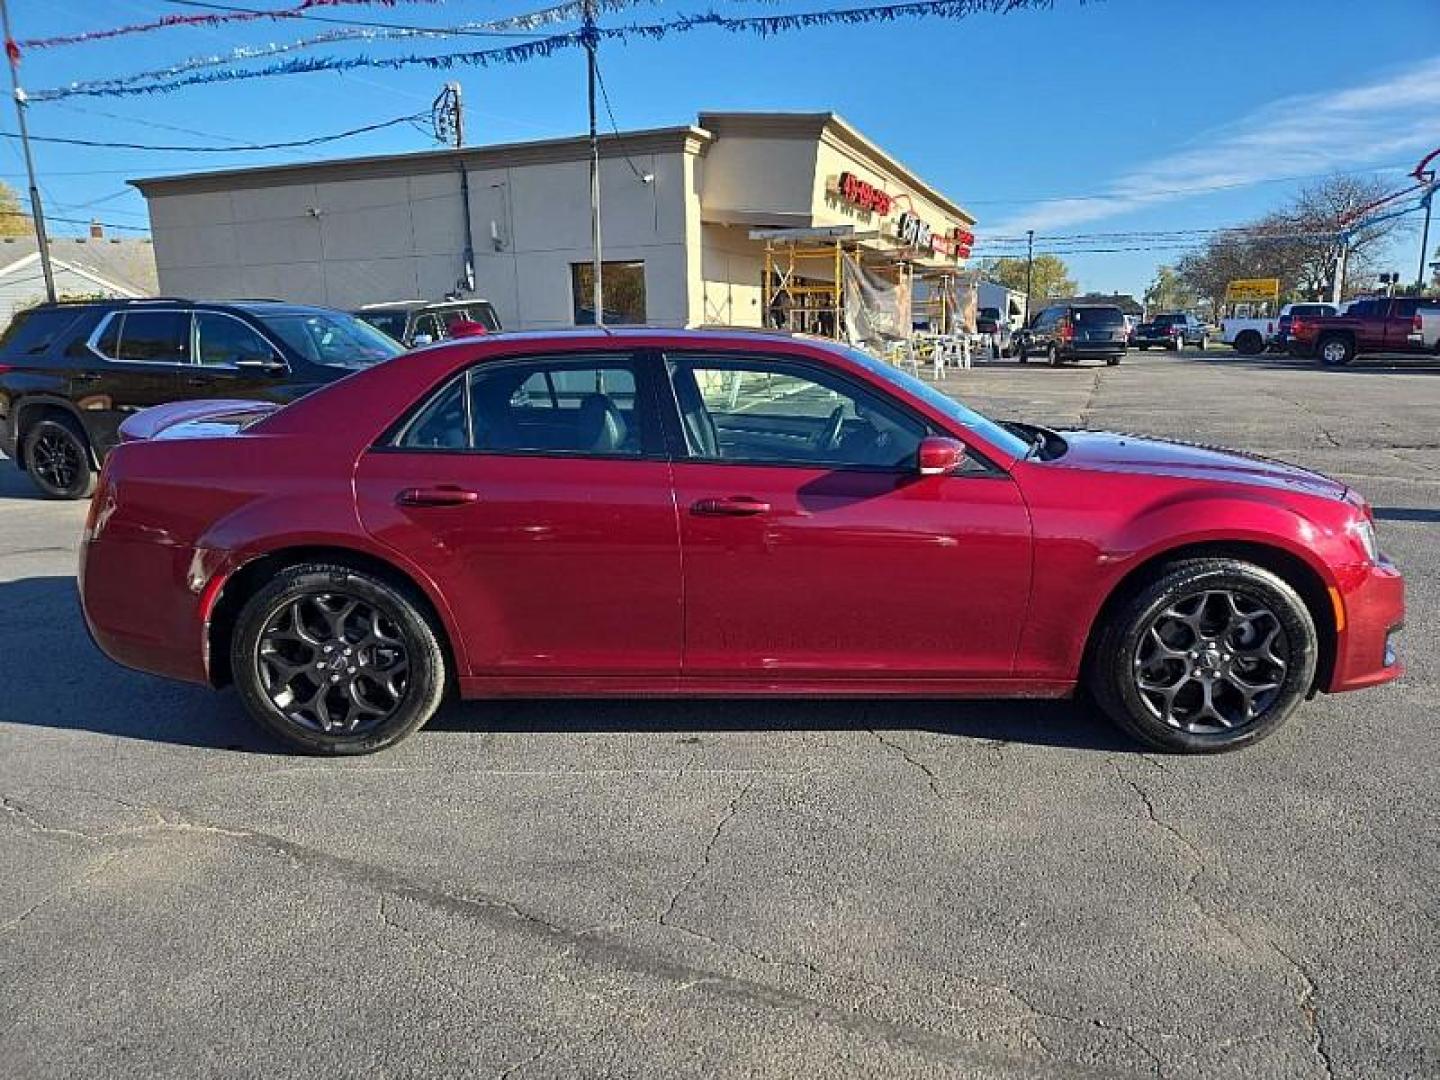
x=276 y=353
x=103 y=324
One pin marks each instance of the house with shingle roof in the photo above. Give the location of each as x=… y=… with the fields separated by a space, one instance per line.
x=93 y=265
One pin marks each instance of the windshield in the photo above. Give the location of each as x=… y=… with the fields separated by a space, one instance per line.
x=390 y=322
x=332 y=338
x=986 y=428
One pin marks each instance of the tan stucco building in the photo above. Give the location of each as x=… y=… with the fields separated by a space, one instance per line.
x=678 y=208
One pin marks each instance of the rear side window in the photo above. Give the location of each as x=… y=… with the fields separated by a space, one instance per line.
x=1103 y=316
x=586 y=407
x=32 y=333
x=151 y=337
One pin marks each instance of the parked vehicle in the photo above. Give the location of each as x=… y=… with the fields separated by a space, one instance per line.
x=421 y=322
x=1172 y=330
x=1426 y=330
x=1368 y=327
x=798 y=519
x=1066 y=332
x=995 y=335
x=70 y=373
x=1280 y=341
x=1249 y=317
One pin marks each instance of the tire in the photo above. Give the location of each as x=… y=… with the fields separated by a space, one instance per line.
x=1204 y=342
x=267 y=641
x=1020 y=354
x=1249 y=343
x=1176 y=345
x=1126 y=655
x=1335 y=350
x=1112 y=361
x=57 y=456
x=1053 y=356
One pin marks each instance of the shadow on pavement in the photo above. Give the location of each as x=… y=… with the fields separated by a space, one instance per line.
x=1408 y=513
x=54 y=677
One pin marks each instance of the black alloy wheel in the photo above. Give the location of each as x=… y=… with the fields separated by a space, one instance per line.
x=1209 y=656
x=334 y=661
x=57 y=457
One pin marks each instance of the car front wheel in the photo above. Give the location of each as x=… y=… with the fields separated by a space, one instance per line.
x=335 y=661
x=57 y=457
x=1335 y=350
x=1053 y=356
x=1208 y=656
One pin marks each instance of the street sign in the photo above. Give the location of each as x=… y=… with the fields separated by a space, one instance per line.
x=1252 y=289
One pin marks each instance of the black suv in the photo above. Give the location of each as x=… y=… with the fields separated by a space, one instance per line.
x=1172 y=330
x=1072 y=331
x=70 y=373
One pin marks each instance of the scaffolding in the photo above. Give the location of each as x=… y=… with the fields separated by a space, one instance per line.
x=804 y=276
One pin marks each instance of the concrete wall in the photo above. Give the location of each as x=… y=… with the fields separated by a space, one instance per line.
x=732 y=268
x=351 y=242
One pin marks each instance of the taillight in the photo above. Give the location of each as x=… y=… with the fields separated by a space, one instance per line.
x=1174 y=331
x=1297 y=327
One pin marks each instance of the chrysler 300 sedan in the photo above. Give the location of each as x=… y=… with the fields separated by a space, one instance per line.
x=706 y=513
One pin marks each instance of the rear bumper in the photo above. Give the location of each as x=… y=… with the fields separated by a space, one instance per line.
x=1093 y=348
x=1152 y=339
x=142 y=602
x=1372 y=600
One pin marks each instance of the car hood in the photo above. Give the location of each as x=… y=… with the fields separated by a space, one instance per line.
x=1109 y=452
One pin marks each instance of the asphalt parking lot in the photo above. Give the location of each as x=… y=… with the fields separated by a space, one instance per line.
x=682 y=888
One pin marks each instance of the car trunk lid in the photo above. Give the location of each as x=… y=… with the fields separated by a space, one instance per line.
x=194 y=419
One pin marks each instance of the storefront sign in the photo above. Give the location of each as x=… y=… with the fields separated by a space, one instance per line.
x=866 y=196
x=957 y=244
x=915 y=233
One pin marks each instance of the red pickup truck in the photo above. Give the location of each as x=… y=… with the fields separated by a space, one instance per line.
x=1376 y=325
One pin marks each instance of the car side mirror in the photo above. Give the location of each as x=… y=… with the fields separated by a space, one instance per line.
x=939 y=456
x=422 y=339
x=261 y=365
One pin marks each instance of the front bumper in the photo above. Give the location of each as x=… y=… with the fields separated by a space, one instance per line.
x=1371 y=602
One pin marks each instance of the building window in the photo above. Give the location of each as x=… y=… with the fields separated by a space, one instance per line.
x=623 y=288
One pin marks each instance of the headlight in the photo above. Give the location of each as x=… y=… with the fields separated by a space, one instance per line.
x=1364 y=532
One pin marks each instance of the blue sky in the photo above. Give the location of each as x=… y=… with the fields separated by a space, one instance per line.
x=1014 y=116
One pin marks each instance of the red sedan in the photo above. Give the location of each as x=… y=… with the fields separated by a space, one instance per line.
x=700 y=513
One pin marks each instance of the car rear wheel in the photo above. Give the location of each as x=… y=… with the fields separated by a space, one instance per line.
x=1210 y=655
x=1112 y=361
x=334 y=661
x=1335 y=350
x=1204 y=342
x=1020 y=355
x=1249 y=343
x=57 y=456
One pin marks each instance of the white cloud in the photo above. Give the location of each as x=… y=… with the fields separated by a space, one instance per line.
x=1298 y=135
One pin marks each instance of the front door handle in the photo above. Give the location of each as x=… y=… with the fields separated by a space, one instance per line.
x=442 y=495
x=731 y=506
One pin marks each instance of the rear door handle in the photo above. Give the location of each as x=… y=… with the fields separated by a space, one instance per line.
x=731 y=506
x=86 y=376
x=443 y=495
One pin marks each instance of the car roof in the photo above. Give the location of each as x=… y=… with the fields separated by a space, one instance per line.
x=416 y=305
x=164 y=302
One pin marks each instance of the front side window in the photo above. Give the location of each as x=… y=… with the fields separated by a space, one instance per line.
x=332 y=338
x=561 y=406
x=223 y=341
x=154 y=337
x=775 y=412
x=622 y=286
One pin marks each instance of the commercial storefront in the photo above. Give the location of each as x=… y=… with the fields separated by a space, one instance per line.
x=714 y=223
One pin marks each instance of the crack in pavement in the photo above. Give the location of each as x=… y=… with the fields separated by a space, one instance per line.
x=595 y=949
x=24 y=817
x=911 y=759
x=1309 y=989
x=731 y=809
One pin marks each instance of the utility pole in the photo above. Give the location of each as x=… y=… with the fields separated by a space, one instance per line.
x=1429 y=178
x=448 y=115
x=1340 y=262
x=1029 y=269
x=37 y=211
x=592 y=39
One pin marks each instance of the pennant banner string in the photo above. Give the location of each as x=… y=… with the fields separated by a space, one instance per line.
x=533 y=20
x=763 y=26
x=219 y=17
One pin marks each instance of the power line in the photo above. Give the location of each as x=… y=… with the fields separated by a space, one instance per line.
x=78 y=221
x=314 y=141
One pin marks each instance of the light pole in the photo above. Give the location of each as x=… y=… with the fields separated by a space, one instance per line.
x=37 y=212
x=1029 y=269
x=591 y=39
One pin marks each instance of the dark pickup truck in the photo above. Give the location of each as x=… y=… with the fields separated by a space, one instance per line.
x=1376 y=325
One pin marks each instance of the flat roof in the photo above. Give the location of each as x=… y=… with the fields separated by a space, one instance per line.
x=821 y=126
